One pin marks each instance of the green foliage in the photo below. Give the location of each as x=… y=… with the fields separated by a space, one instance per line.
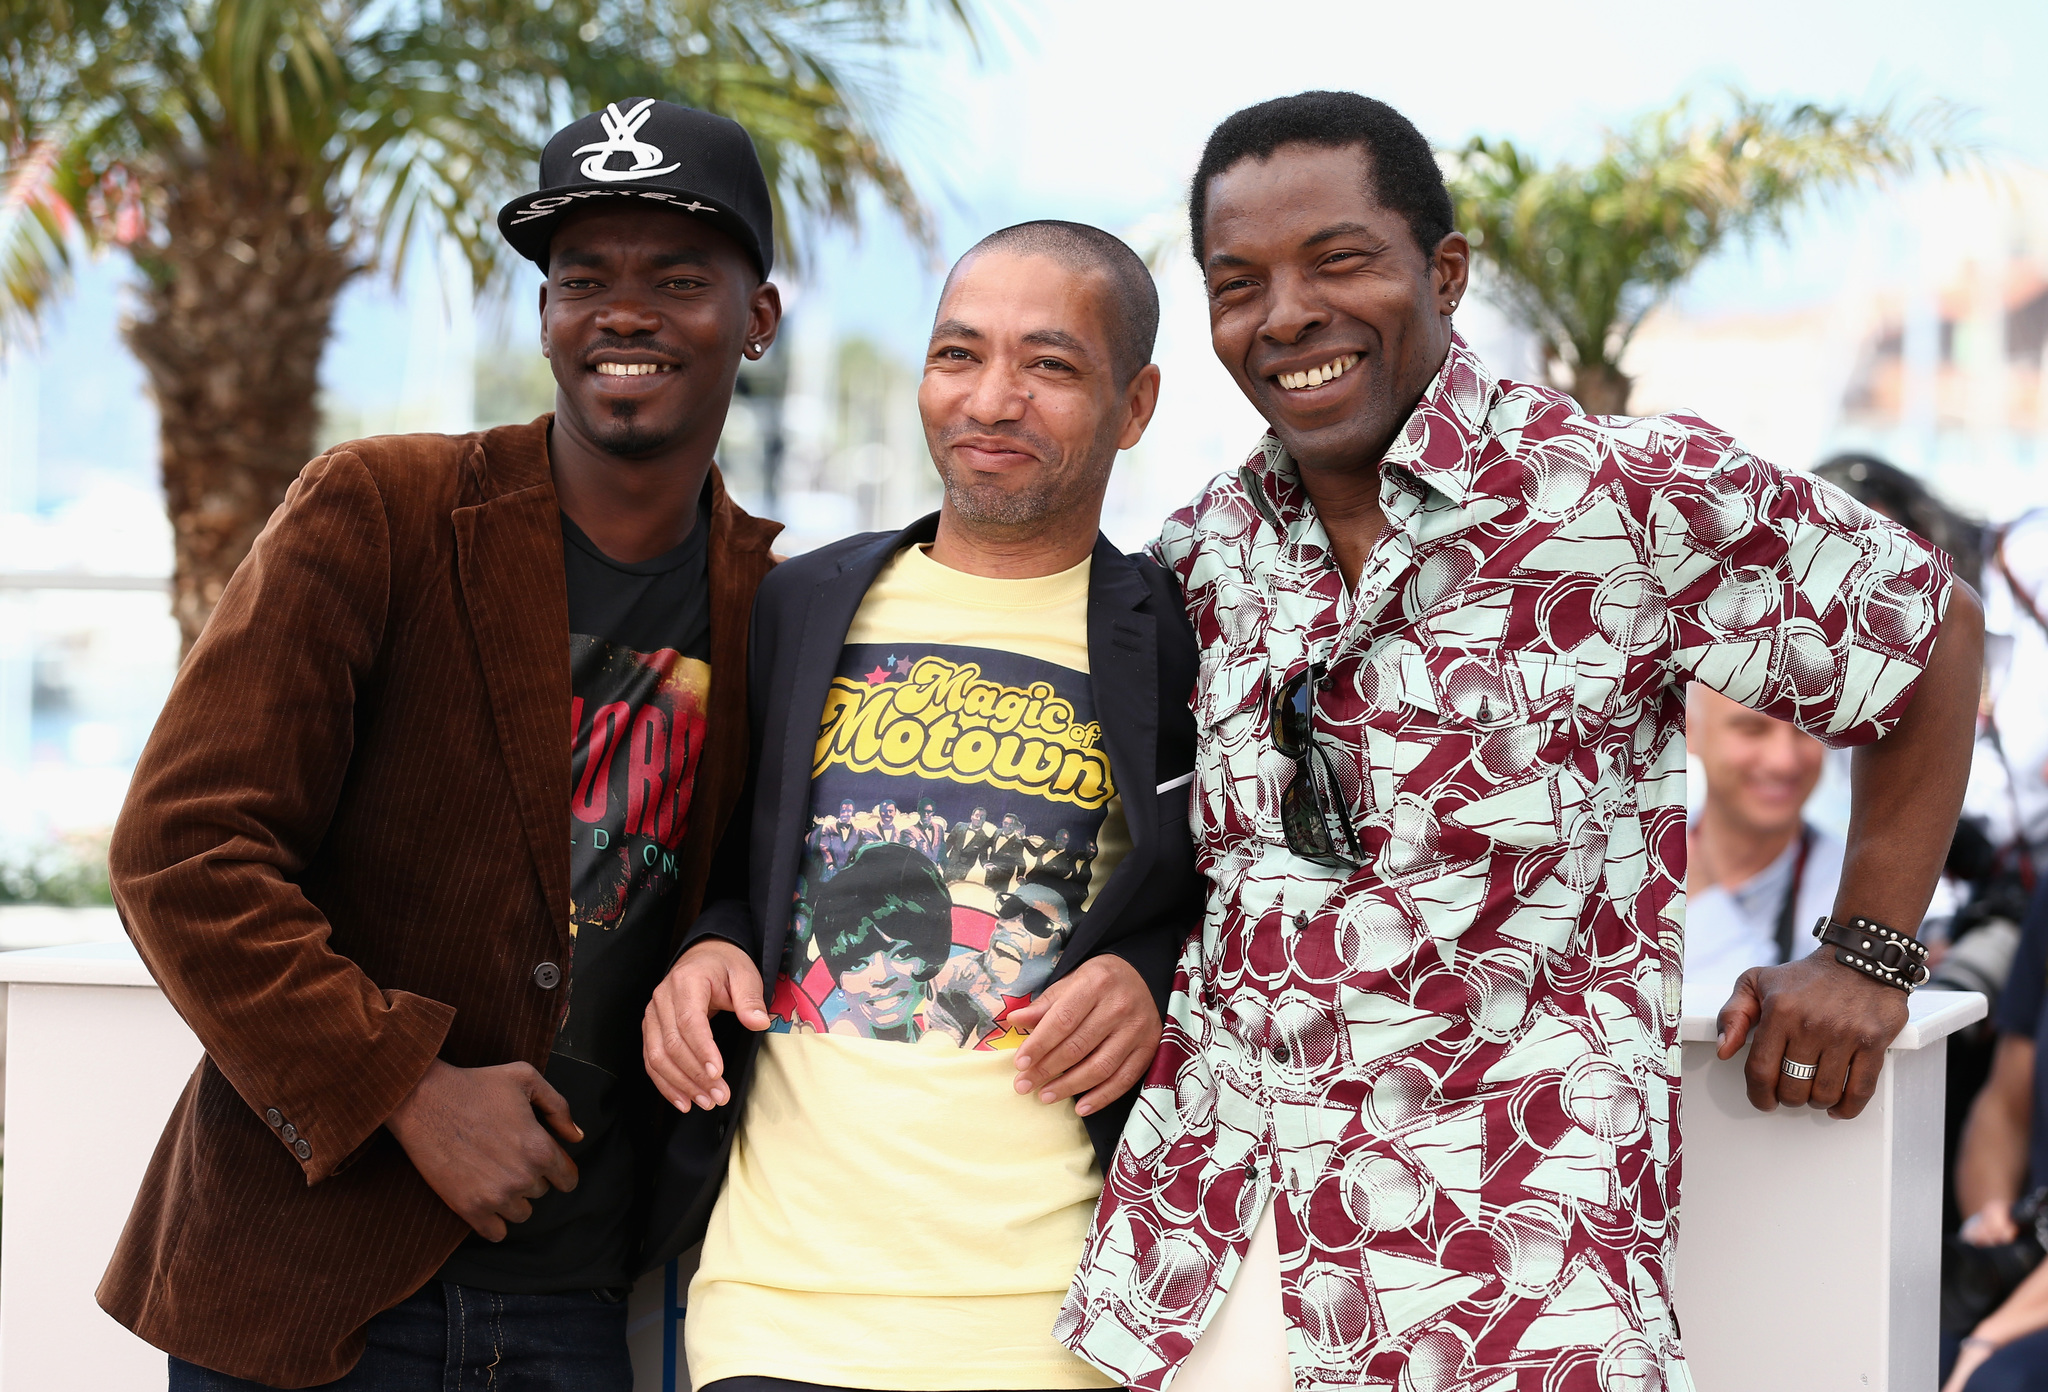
x=1582 y=252
x=70 y=874
x=403 y=113
x=513 y=385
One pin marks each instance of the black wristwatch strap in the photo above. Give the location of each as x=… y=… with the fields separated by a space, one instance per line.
x=1880 y=953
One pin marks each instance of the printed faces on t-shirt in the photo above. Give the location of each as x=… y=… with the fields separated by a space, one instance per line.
x=636 y=728
x=957 y=794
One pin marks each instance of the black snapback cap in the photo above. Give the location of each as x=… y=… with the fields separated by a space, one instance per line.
x=670 y=156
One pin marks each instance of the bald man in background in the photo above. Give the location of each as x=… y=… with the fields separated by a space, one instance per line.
x=1757 y=873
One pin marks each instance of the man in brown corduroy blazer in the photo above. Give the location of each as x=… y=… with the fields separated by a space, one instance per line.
x=419 y=1149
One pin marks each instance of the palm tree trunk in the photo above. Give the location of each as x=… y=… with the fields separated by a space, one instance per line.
x=234 y=315
x=1601 y=388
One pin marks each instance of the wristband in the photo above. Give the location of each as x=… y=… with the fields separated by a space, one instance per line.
x=1880 y=953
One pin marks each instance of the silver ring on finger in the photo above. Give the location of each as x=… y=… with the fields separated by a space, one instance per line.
x=1801 y=1071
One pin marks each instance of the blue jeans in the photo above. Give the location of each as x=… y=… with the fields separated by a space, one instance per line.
x=449 y=1338
x=2021 y=1366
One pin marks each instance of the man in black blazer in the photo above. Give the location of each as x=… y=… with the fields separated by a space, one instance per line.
x=929 y=1084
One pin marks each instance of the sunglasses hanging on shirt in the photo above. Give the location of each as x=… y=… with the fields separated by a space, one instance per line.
x=1313 y=812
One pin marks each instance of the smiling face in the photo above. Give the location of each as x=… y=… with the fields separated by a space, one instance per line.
x=1021 y=407
x=1019 y=961
x=1760 y=771
x=882 y=989
x=1321 y=305
x=644 y=318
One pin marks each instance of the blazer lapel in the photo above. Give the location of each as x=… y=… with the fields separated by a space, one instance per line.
x=736 y=559
x=833 y=604
x=1123 y=672
x=508 y=548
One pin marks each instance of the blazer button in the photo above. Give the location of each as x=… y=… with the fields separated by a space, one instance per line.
x=302 y=1150
x=274 y=1117
x=290 y=1133
x=547 y=976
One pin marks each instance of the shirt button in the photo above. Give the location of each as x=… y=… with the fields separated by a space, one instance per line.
x=1300 y=922
x=1279 y=1053
x=274 y=1117
x=290 y=1133
x=547 y=976
x=302 y=1150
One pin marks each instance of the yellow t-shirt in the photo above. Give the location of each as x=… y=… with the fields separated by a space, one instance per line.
x=898 y=1217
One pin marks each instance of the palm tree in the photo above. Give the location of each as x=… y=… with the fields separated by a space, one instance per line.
x=1581 y=253
x=253 y=156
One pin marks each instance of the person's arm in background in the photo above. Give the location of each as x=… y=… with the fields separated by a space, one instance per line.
x=231 y=800
x=1991 y=1161
x=1993 y=1156
x=2024 y=1312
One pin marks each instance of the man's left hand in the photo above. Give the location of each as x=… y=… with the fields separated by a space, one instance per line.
x=1816 y=1011
x=1092 y=1033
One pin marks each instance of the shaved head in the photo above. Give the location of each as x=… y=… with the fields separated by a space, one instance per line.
x=1130 y=306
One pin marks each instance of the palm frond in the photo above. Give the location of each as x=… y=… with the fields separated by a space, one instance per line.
x=38 y=232
x=1580 y=253
x=414 y=114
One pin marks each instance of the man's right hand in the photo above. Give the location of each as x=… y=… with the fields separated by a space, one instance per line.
x=1990 y=1226
x=676 y=1030
x=473 y=1136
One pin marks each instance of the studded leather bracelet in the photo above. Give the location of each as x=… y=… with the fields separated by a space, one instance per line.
x=1880 y=953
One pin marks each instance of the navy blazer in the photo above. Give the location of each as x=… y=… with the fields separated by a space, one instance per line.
x=1142 y=659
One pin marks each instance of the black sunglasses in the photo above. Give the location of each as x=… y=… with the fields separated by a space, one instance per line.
x=1036 y=921
x=1313 y=813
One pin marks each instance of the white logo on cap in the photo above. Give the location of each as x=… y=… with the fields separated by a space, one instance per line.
x=621 y=129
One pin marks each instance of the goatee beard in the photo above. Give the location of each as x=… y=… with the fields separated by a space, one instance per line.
x=992 y=506
x=622 y=435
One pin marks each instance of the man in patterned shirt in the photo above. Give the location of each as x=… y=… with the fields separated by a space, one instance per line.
x=1416 y=1104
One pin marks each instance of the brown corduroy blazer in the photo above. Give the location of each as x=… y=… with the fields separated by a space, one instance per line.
x=345 y=851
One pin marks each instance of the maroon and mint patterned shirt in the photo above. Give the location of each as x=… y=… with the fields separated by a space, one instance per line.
x=1456 y=1069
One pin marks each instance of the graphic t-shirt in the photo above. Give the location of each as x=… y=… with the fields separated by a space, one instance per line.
x=639 y=635
x=894 y=1214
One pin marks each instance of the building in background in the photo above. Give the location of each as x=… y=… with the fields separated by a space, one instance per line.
x=1930 y=356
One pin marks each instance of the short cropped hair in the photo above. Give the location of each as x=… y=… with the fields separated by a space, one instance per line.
x=887 y=893
x=1401 y=169
x=1131 y=316
x=1892 y=491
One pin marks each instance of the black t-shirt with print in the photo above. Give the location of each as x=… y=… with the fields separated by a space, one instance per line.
x=639 y=640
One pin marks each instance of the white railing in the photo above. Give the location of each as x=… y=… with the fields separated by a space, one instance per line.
x=1808 y=1258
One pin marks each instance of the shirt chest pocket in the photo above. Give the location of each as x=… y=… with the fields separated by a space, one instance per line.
x=1231 y=709
x=1444 y=728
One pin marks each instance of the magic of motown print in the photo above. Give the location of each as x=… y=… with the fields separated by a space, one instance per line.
x=957 y=794
x=636 y=729
x=1453 y=1069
